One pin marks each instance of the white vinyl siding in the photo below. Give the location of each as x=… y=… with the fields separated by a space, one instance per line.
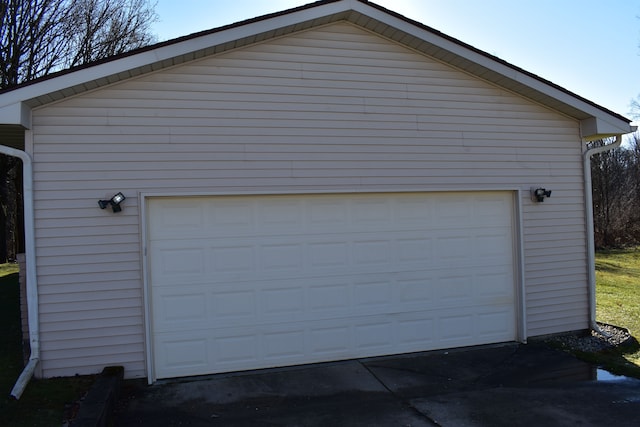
x=327 y=110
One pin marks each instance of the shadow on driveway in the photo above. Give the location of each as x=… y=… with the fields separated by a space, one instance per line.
x=505 y=385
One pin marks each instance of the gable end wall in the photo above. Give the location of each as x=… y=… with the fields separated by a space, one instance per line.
x=330 y=109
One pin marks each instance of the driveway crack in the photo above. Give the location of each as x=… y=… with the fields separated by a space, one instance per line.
x=406 y=403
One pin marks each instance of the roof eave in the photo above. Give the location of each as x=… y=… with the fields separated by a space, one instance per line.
x=595 y=128
x=17 y=113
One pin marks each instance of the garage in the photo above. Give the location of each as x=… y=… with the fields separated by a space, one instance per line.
x=246 y=282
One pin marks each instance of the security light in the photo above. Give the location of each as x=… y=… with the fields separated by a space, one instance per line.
x=538 y=194
x=114 y=202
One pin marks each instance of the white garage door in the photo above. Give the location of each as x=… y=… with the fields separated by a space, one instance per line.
x=252 y=282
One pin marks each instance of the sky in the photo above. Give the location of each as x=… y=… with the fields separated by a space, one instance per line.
x=590 y=47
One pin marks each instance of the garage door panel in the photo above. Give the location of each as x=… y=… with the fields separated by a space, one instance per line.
x=416 y=332
x=278 y=345
x=172 y=219
x=329 y=298
x=454 y=250
x=415 y=251
x=496 y=245
x=494 y=325
x=190 y=305
x=328 y=255
x=412 y=211
x=230 y=213
x=182 y=354
x=259 y=281
x=188 y=308
x=452 y=211
x=373 y=294
x=280 y=257
x=454 y=289
x=181 y=259
x=416 y=292
x=491 y=283
x=186 y=311
x=237 y=348
x=178 y=262
x=282 y=301
x=236 y=259
x=274 y=301
x=280 y=215
x=488 y=209
x=327 y=213
x=284 y=345
x=373 y=337
x=457 y=325
x=481 y=322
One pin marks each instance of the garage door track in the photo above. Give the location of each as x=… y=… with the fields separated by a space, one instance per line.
x=507 y=385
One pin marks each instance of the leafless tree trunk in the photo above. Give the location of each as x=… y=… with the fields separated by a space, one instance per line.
x=4 y=224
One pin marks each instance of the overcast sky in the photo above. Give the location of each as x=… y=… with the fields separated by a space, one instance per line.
x=590 y=47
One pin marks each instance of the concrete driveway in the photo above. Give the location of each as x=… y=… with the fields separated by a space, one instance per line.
x=509 y=385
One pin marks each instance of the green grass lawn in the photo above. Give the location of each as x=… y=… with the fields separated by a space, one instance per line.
x=618 y=293
x=43 y=401
x=7 y=269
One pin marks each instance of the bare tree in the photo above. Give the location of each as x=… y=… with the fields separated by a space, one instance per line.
x=8 y=209
x=39 y=37
x=42 y=36
x=634 y=190
x=616 y=195
x=99 y=29
x=634 y=108
x=31 y=41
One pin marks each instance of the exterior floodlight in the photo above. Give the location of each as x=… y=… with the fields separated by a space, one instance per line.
x=114 y=202
x=538 y=194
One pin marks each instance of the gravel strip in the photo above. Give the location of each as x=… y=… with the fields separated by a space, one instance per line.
x=593 y=342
